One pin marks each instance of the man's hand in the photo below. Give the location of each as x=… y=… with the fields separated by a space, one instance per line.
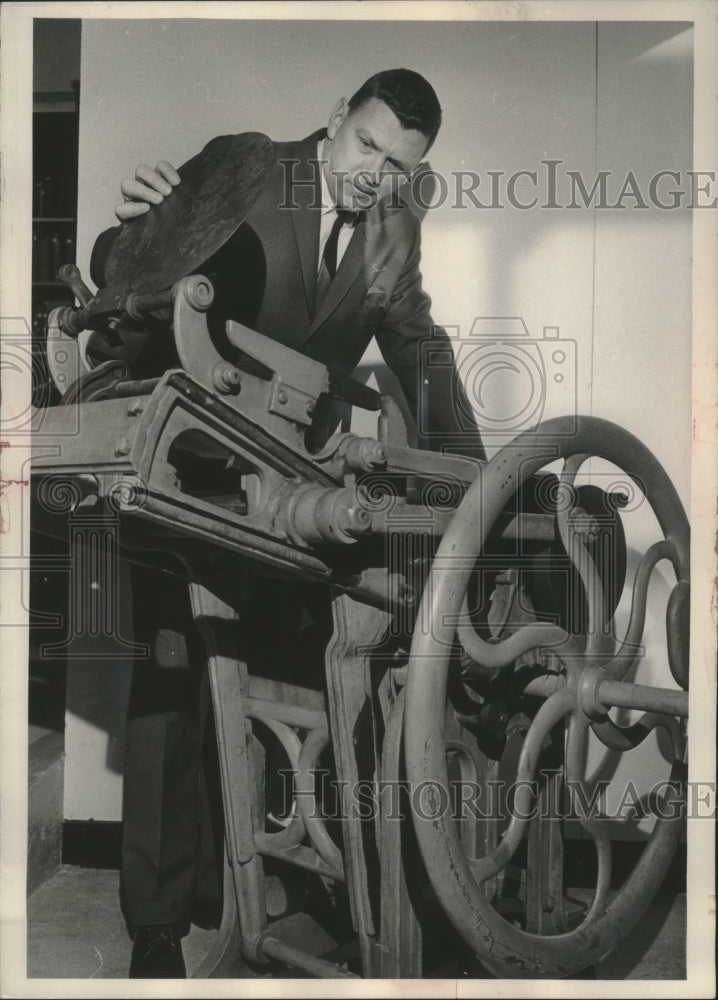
x=149 y=187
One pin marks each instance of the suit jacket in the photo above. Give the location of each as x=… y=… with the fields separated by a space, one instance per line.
x=265 y=277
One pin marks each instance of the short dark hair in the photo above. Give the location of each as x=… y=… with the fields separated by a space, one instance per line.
x=412 y=99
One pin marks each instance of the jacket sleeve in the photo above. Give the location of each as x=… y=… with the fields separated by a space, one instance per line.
x=421 y=356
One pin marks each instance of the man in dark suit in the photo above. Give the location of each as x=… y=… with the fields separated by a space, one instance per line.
x=326 y=259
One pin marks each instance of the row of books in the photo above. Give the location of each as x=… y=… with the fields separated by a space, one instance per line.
x=49 y=252
x=52 y=197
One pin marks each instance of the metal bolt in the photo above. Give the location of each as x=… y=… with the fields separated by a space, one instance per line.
x=282 y=397
x=362 y=516
x=377 y=455
x=365 y=453
x=354 y=519
x=309 y=406
x=226 y=378
x=199 y=293
x=122 y=447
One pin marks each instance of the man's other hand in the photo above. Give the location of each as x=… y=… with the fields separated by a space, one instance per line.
x=148 y=187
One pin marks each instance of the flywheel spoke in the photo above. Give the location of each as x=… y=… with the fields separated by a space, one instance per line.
x=566 y=676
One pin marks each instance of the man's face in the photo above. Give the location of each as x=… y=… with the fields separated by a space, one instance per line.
x=368 y=151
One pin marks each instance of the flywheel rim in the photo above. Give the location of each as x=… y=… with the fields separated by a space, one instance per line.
x=504 y=948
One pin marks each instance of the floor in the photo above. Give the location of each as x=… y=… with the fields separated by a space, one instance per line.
x=93 y=943
x=66 y=940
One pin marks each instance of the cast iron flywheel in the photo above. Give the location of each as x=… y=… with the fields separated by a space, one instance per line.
x=587 y=678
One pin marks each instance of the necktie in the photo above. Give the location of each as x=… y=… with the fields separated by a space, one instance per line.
x=328 y=266
x=330 y=247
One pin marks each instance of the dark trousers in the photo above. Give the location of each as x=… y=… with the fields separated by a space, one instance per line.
x=172 y=807
x=172 y=818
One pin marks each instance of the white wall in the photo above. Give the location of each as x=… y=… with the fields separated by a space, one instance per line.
x=613 y=97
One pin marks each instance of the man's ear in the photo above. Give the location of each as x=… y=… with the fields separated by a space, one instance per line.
x=339 y=113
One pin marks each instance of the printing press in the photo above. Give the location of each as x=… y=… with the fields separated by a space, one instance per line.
x=473 y=610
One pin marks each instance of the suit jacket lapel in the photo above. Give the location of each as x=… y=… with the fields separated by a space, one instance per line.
x=306 y=223
x=306 y=194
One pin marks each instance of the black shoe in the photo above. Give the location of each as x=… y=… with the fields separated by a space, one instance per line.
x=157 y=953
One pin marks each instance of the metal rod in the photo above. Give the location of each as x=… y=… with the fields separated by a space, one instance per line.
x=290 y=715
x=134 y=387
x=138 y=306
x=296 y=959
x=630 y=647
x=551 y=712
x=627 y=737
x=545 y=685
x=70 y=275
x=298 y=855
x=624 y=695
x=306 y=802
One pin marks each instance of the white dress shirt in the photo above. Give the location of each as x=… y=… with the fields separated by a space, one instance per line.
x=328 y=216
